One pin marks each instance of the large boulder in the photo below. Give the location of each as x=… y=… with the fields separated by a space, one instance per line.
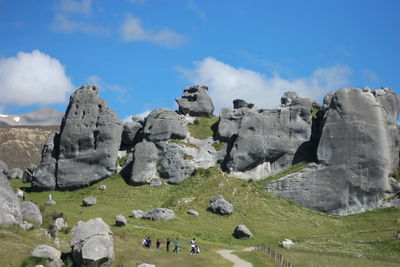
x=120 y=220
x=358 y=149
x=89 y=201
x=220 y=206
x=132 y=131
x=28 y=173
x=31 y=211
x=270 y=140
x=159 y=214
x=241 y=231
x=15 y=173
x=164 y=124
x=143 y=166
x=92 y=243
x=229 y=123
x=10 y=209
x=48 y=253
x=86 y=149
x=195 y=101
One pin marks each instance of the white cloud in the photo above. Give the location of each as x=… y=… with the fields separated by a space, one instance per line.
x=143 y=115
x=196 y=9
x=133 y=31
x=78 y=7
x=65 y=24
x=33 y=78
x=227 y=83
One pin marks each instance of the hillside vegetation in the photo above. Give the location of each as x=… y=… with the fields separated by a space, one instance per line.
x=322 y=240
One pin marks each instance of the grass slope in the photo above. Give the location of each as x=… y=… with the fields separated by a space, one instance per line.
x=321 y=239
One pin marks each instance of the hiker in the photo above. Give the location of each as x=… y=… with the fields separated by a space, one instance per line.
x=197 y=249
x=193 y=246
x=148 y=242
x=176 y=244
x=50 y=197
x=158 y=243
x=20 y=194
x=144 y=241
x=168 y=244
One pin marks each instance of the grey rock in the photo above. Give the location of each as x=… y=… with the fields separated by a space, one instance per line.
x=241 y=231
x=56 y=263
x=164 y=124
x=215 y=198
x=92 y=243
x=131 y=133
x=120 y=220
x=10 y=209
x=28 y=173
x=102 y=187
x=26 y=226
x=51 y=203
x=357 y=150
x=159 y=214
x=195 y=101
x=229 y=123
x=89 y=201
x=146 y=265
x=15 y=173
x=3 y=167
x=59 y=224
x=31 y=211
x=239 y=103
x=144 y=163
x=221 y=207
x=173 y=165
x=186 y=200
x=193 y=212
x=366 y=89
x=155 y=182
x=137 y=214
x=288 y=244
x=46 y=252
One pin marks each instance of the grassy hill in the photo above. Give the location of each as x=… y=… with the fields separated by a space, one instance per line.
x=322 y=240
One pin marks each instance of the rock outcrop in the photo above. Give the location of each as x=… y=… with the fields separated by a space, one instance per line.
x=241 y=231
x=89 y=201
x=86 y=149
x=120 y=220
x=132 y=131
x=10 y=209
x=31 y=211
x=358 y=148
x=92 y=243
x=220 y=206
x=195 y=101
x=143 y=167
x=48 y=253
x=159 y=214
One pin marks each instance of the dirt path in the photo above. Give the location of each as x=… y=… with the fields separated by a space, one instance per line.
x=238 y=262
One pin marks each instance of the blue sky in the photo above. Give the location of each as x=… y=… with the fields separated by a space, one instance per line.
x=143 y=53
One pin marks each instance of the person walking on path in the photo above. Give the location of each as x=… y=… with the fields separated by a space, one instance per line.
x=144 y=242
x=193 y=246
x=168 y=244
x=176 y=244
x=158 y=243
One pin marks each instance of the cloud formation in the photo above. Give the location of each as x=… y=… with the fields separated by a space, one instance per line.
x=227 y=83
x=65 y=24
x=133 y=31
x=33 y=78
x=79 y=7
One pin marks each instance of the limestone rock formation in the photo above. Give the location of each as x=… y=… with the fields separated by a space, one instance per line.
x=159 y=214
x=3 y=168
x=49 y=253
x=92 y=243
x=59 y=224
x=143 y=166
x=137 y=214
x=358 y=149
x=15 y=173
x=195 y=101
x=86 y=149
x=28 y=173
x=164 y=124
x=132 y=131
x=241 y=231
x=31 y=211
x=10 y=209
x=229 y=123
x=89 y=201
x=220 y=206
x=120 y=220
x=192 y=212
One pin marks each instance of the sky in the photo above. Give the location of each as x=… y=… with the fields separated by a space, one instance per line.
x=143 y=53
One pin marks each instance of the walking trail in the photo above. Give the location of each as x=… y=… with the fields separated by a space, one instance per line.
x=238 y=262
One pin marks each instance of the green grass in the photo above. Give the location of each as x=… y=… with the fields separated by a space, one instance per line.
x=203 y=127
x=180 y=142
x=320 y=238
x=294 y=168
x=219 y=146
x=257 y=258
x=121 y=161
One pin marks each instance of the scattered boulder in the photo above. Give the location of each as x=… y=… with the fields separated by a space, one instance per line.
x=241 y=231
x=143 y=166
x=137 y=214
x=10 y=209
x=193 y=212
x=120 y=220
x=51 y=203
x=59 y=224
x=49 y=253
x=26 y=226
x=92 y=243
x=15 y=173
x=220 y=206
x=215 y=198
x=159 y=214
x=195 y=101
x=155 y=182
x=186 y=200
x=164 y=124
x=31 y=211
x=102 y=187
x=89 y=201
x=146 y=265
x=288 y=244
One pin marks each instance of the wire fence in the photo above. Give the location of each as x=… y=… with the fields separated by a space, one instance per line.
x=278 y=258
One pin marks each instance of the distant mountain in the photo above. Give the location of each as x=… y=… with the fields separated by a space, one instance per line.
x=40 y=117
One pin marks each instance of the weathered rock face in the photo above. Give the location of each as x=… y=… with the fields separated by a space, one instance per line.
x=268 y=140
x=89 y=140
x=358 y=149
x=47 y=252
x=163 y=124
x=229 y=123
x=86 y=149
x=195 y=101
x=3 y=167
x=159 y=214
x=28 y=173
x=10 y=210
x=132 y=132
x=144 y=163
x=92 y=243
x=31 y=211
x=15 y=173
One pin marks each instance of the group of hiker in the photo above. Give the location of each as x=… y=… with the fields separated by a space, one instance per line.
x=194 y=248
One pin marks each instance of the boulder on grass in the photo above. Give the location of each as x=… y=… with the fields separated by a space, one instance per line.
x=120 y=220
x=193 y=212
x=89 y=201
x=10 y=210
x=31 y=211
x=49 y=253
x=241 y=231
x=288 y=244
x=159 y=214
x=137 y=214
x=221 y=207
